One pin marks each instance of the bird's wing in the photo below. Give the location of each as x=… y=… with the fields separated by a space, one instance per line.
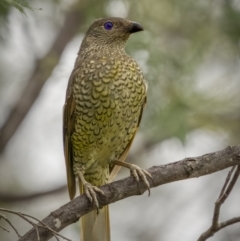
x=123 y=156
x=68 y=127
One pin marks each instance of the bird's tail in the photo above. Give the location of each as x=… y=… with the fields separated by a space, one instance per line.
x=95 y=227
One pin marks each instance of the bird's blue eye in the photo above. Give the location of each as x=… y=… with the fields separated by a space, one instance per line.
x=108 y=25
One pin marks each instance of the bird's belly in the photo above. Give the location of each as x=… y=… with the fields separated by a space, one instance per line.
x=106 y=119
x=103 y=137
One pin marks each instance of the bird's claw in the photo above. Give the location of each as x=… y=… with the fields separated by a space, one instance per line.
x=90 y=191
x=138 y=172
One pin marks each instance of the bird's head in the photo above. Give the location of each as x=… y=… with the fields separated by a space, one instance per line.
x=110 y=31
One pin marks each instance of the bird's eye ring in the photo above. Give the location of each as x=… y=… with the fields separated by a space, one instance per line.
x=108 y=25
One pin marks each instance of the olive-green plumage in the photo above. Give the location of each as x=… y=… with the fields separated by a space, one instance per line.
x=104 y=103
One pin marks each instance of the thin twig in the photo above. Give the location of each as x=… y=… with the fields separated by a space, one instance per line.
x=224 y=194
x=6 y=197
x=230 y=186
x=4 y=229
x=229 y=222
x=6 y=219
x=226 y=181
x=47 y=227
x=219 y=202
x=36 y=226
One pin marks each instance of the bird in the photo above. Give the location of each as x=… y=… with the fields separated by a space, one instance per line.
x=105 y=98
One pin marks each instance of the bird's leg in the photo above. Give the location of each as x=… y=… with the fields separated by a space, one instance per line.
x=137 y=172
x=90 y=190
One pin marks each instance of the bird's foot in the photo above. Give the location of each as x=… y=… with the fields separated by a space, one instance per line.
x=138 y=172
x=91 y=191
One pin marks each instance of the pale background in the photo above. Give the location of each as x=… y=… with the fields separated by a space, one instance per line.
x=189 y=53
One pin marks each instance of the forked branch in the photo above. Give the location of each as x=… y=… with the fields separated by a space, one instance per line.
x=224 y=194
x=28 y=219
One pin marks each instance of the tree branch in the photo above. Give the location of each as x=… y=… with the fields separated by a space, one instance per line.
x=225 y=192
x=13 y=198
x=28 y=218
x=184 y=169
x=41 y=73
x=4 y=197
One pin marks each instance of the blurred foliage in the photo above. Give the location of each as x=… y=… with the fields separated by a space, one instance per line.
x=182 y=38
x=6 y=5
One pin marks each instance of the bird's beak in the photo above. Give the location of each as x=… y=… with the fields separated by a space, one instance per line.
x=135 y=27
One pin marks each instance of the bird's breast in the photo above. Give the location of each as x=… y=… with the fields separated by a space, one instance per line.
x=109 y=95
